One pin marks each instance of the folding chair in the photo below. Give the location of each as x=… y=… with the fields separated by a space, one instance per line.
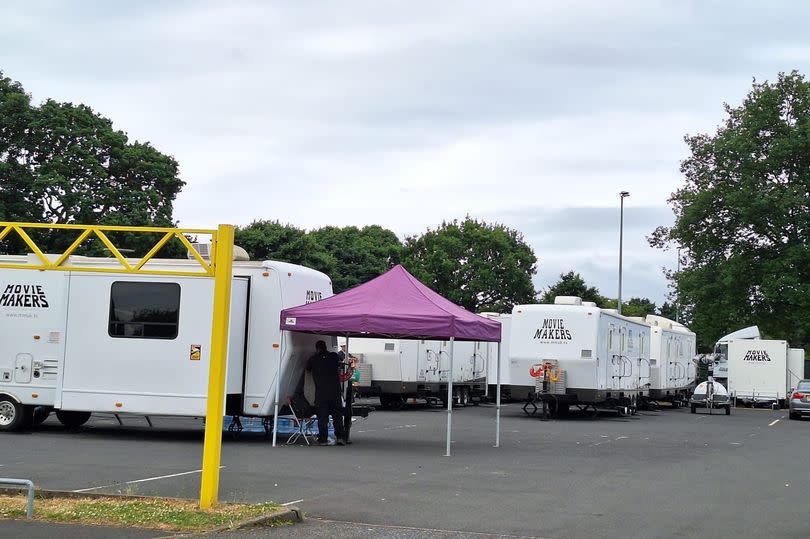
x=303 y=425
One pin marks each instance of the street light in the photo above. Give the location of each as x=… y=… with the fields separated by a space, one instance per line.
x=677 y=294
x=622 y=196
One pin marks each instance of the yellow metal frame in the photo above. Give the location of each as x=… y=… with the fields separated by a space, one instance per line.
x=220 y=268
x=125 y=266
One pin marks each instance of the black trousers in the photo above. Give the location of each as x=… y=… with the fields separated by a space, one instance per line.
x=324 y=409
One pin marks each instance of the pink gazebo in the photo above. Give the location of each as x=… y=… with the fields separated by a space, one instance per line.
x=396 y=305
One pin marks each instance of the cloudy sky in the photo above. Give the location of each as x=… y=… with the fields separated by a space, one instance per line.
x=534 y=114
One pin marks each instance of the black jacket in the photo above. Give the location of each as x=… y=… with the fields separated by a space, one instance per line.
x=325 y=368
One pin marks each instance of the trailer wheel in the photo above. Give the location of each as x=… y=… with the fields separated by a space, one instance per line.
x=728 y=409
x=694 y=408
x=41 y=413
x=793 y=416
x=464 y=397
x=13 y=415
x=72 y=419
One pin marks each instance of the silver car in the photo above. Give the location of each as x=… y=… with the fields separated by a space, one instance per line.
x=800 y=400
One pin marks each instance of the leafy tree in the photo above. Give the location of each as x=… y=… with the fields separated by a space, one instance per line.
x=638 y=307
x=668 y=310
x=271 y=240
x=63 y=163
x=742 y=217
x=572 y=284
x=360 y=254
x=480 y=266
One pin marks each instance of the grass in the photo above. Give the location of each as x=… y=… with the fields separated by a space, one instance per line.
x=155 y=513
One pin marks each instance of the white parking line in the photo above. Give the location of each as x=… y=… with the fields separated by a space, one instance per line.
x=774 y=422
x=292 y=502
x=141 y=480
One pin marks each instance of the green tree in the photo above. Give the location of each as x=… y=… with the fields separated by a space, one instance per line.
x=638 y=307
x=63 y=163
x=669 y=310
x=480 y=266
x=360 y=254
x=271 y=240
x=742 y=217
x=572 y=284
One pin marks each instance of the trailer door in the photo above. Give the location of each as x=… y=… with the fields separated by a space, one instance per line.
x=237 y=333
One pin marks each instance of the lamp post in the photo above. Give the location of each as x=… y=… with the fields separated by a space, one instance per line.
x=677 y=294
x=622 y=196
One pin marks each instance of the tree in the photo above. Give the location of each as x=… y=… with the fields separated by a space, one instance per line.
x=638 y=307
x=572 y=284
x=359 y=254
x=63 y=163
x=668 y=310
x=479 y=266
x=742 y=217
x=270 y=240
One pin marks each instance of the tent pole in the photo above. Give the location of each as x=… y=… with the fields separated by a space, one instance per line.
x=347 y=416
x=498 y=401
x=450 y=398
x=278 y=389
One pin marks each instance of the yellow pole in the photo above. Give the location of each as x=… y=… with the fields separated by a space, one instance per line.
x=223 y=264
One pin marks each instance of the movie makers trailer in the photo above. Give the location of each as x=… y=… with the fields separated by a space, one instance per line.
x=574 y=353
x=403 y=369
x=80 y=342
x=672 y=367
x=762 y=372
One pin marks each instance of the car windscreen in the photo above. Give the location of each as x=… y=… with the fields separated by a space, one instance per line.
x=804 y=385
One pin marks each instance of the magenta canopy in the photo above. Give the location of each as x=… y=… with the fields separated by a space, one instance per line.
x=396 y=305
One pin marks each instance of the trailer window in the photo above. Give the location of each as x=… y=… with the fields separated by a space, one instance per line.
x=144 y=310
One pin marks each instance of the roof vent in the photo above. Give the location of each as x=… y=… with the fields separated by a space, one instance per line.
x=567 y=300
x=204 y=249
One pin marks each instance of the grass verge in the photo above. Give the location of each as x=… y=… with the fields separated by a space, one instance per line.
x=154 y=513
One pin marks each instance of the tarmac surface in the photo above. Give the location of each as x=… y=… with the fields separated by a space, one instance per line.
x=657 y=474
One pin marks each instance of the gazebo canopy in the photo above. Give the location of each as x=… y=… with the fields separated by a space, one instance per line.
x=395 y=304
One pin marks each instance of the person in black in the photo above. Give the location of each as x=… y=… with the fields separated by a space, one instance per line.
x=325 y=368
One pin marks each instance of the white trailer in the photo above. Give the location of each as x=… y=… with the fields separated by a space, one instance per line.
x=795 y=367
x=81 y=342
x=402 y=369
x=758 y=371
x=605 y=356
x=672 y=370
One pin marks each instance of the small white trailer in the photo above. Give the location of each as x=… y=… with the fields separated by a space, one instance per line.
x=672 y=370
x=403 y=369
x=81 y=342
x=605 y=357
x=758 y=371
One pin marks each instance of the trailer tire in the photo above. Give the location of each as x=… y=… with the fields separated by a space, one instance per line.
x=728 y=409
x=40 y=414
x=793 y=416
x=71 y=419
x=464 y=396
x=385 y=401
x=13 y=415
x=694 y=408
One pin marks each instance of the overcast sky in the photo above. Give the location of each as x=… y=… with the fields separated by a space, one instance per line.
x=404 y=114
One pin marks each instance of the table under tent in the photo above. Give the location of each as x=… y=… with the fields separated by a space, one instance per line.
x=395 y=305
